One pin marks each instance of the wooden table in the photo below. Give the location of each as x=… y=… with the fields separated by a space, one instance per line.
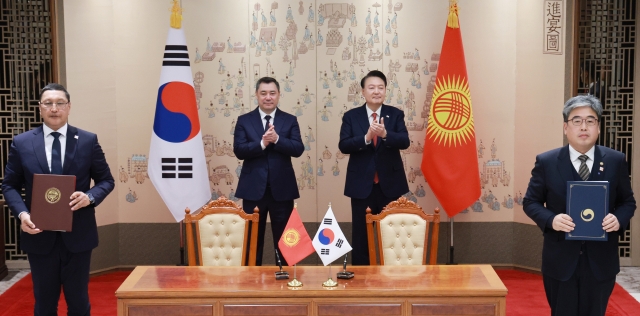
x=375 y=290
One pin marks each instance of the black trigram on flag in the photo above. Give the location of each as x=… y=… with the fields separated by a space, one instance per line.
x=327 y=221
x=175 y=55
x=324 y=252
x=339 y=243
x=181 y=168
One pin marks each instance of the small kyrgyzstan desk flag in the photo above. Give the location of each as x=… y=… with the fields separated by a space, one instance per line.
x=295 y=243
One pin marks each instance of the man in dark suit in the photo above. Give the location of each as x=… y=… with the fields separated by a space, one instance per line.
x=266 y=139
x=373 y=136
x=579 y=275
x=58 y=259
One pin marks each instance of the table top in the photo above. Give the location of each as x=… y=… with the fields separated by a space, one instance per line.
x=260 y=282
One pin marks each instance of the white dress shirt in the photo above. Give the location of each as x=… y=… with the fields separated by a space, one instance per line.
x=574 y=154
x=48 y=142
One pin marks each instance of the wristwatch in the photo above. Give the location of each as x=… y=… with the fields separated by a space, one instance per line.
x=92 y=200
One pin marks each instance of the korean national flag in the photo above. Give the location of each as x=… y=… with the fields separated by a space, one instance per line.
x=329 y=242
x=177 y=165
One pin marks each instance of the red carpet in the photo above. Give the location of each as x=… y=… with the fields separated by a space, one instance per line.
x=18 y=300
x=526 y=296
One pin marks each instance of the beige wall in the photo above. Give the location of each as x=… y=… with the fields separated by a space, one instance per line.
x=92 y=80
x=539 y=96
x=114 y=51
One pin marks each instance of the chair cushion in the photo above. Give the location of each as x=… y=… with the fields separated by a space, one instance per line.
x=402 y=238
x=221 y=239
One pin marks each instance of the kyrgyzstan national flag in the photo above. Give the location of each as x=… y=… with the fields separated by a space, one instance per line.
x=295 y=243
x=449 y=159
x=177 y=165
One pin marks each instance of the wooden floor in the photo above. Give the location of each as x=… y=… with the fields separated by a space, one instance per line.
x=375 y=290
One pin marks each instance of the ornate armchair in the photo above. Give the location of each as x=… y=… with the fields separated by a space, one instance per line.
x=224 y=235
x=402 y=233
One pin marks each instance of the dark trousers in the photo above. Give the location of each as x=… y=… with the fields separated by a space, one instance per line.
x=376 y=201
x=278 y=211
x=61 y=269
x=581 y=295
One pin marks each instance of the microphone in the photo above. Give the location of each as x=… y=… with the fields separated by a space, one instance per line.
x=280 y=275
x=344 y=274
x=344 y=264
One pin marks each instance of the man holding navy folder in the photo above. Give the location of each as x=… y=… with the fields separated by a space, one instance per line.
x=579 y=276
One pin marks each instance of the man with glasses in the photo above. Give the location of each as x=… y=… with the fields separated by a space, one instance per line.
x=58 y=259
x=579 y=276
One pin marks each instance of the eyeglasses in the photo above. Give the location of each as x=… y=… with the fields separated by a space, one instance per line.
x=577 y=121
x=60 y=105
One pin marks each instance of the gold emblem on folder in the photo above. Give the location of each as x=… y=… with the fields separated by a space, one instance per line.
x=587 y=215
x=52 y=195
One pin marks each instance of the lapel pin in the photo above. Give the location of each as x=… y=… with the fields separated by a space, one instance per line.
x=76 y=137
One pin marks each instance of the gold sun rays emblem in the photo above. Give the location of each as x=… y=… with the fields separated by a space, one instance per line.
x=451 y=120
x=52 y=195
x=291 y=237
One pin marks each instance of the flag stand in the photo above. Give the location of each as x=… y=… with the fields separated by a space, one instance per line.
x=330 y=282
x=294 y=282
x=181 y=245
x=451 y=245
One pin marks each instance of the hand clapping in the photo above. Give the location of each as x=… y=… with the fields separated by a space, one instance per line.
x=270 y=136
x=376 y=129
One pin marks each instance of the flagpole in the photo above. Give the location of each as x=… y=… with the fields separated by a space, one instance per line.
x=294 y=282
x=330 y=282
x=181 y=244
x=451 y=238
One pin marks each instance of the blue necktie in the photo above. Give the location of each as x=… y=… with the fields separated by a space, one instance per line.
x=56 y=157
x=266 y=125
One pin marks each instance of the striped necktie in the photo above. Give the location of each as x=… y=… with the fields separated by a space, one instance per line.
x=584 y=169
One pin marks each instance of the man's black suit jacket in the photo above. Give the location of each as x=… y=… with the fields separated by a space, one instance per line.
x=274 y=161
x=84 y=159
x=365 y=160
x=547 y=196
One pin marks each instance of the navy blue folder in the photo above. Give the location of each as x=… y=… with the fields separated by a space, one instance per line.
x=587 y=204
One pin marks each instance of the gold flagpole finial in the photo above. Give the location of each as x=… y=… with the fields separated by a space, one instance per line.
x=452 y=20
x=295 y=205
x=329 y=204
x=176 y=15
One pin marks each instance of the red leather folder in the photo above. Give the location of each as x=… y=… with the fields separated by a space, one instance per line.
x=50 y=199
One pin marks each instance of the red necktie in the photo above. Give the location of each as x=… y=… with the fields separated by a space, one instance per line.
x=375 y=143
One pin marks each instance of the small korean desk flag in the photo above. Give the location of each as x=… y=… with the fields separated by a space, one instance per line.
x=177 y=166
x=330 y=243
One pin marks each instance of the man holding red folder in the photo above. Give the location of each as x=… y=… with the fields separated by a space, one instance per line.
x=58 y=260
